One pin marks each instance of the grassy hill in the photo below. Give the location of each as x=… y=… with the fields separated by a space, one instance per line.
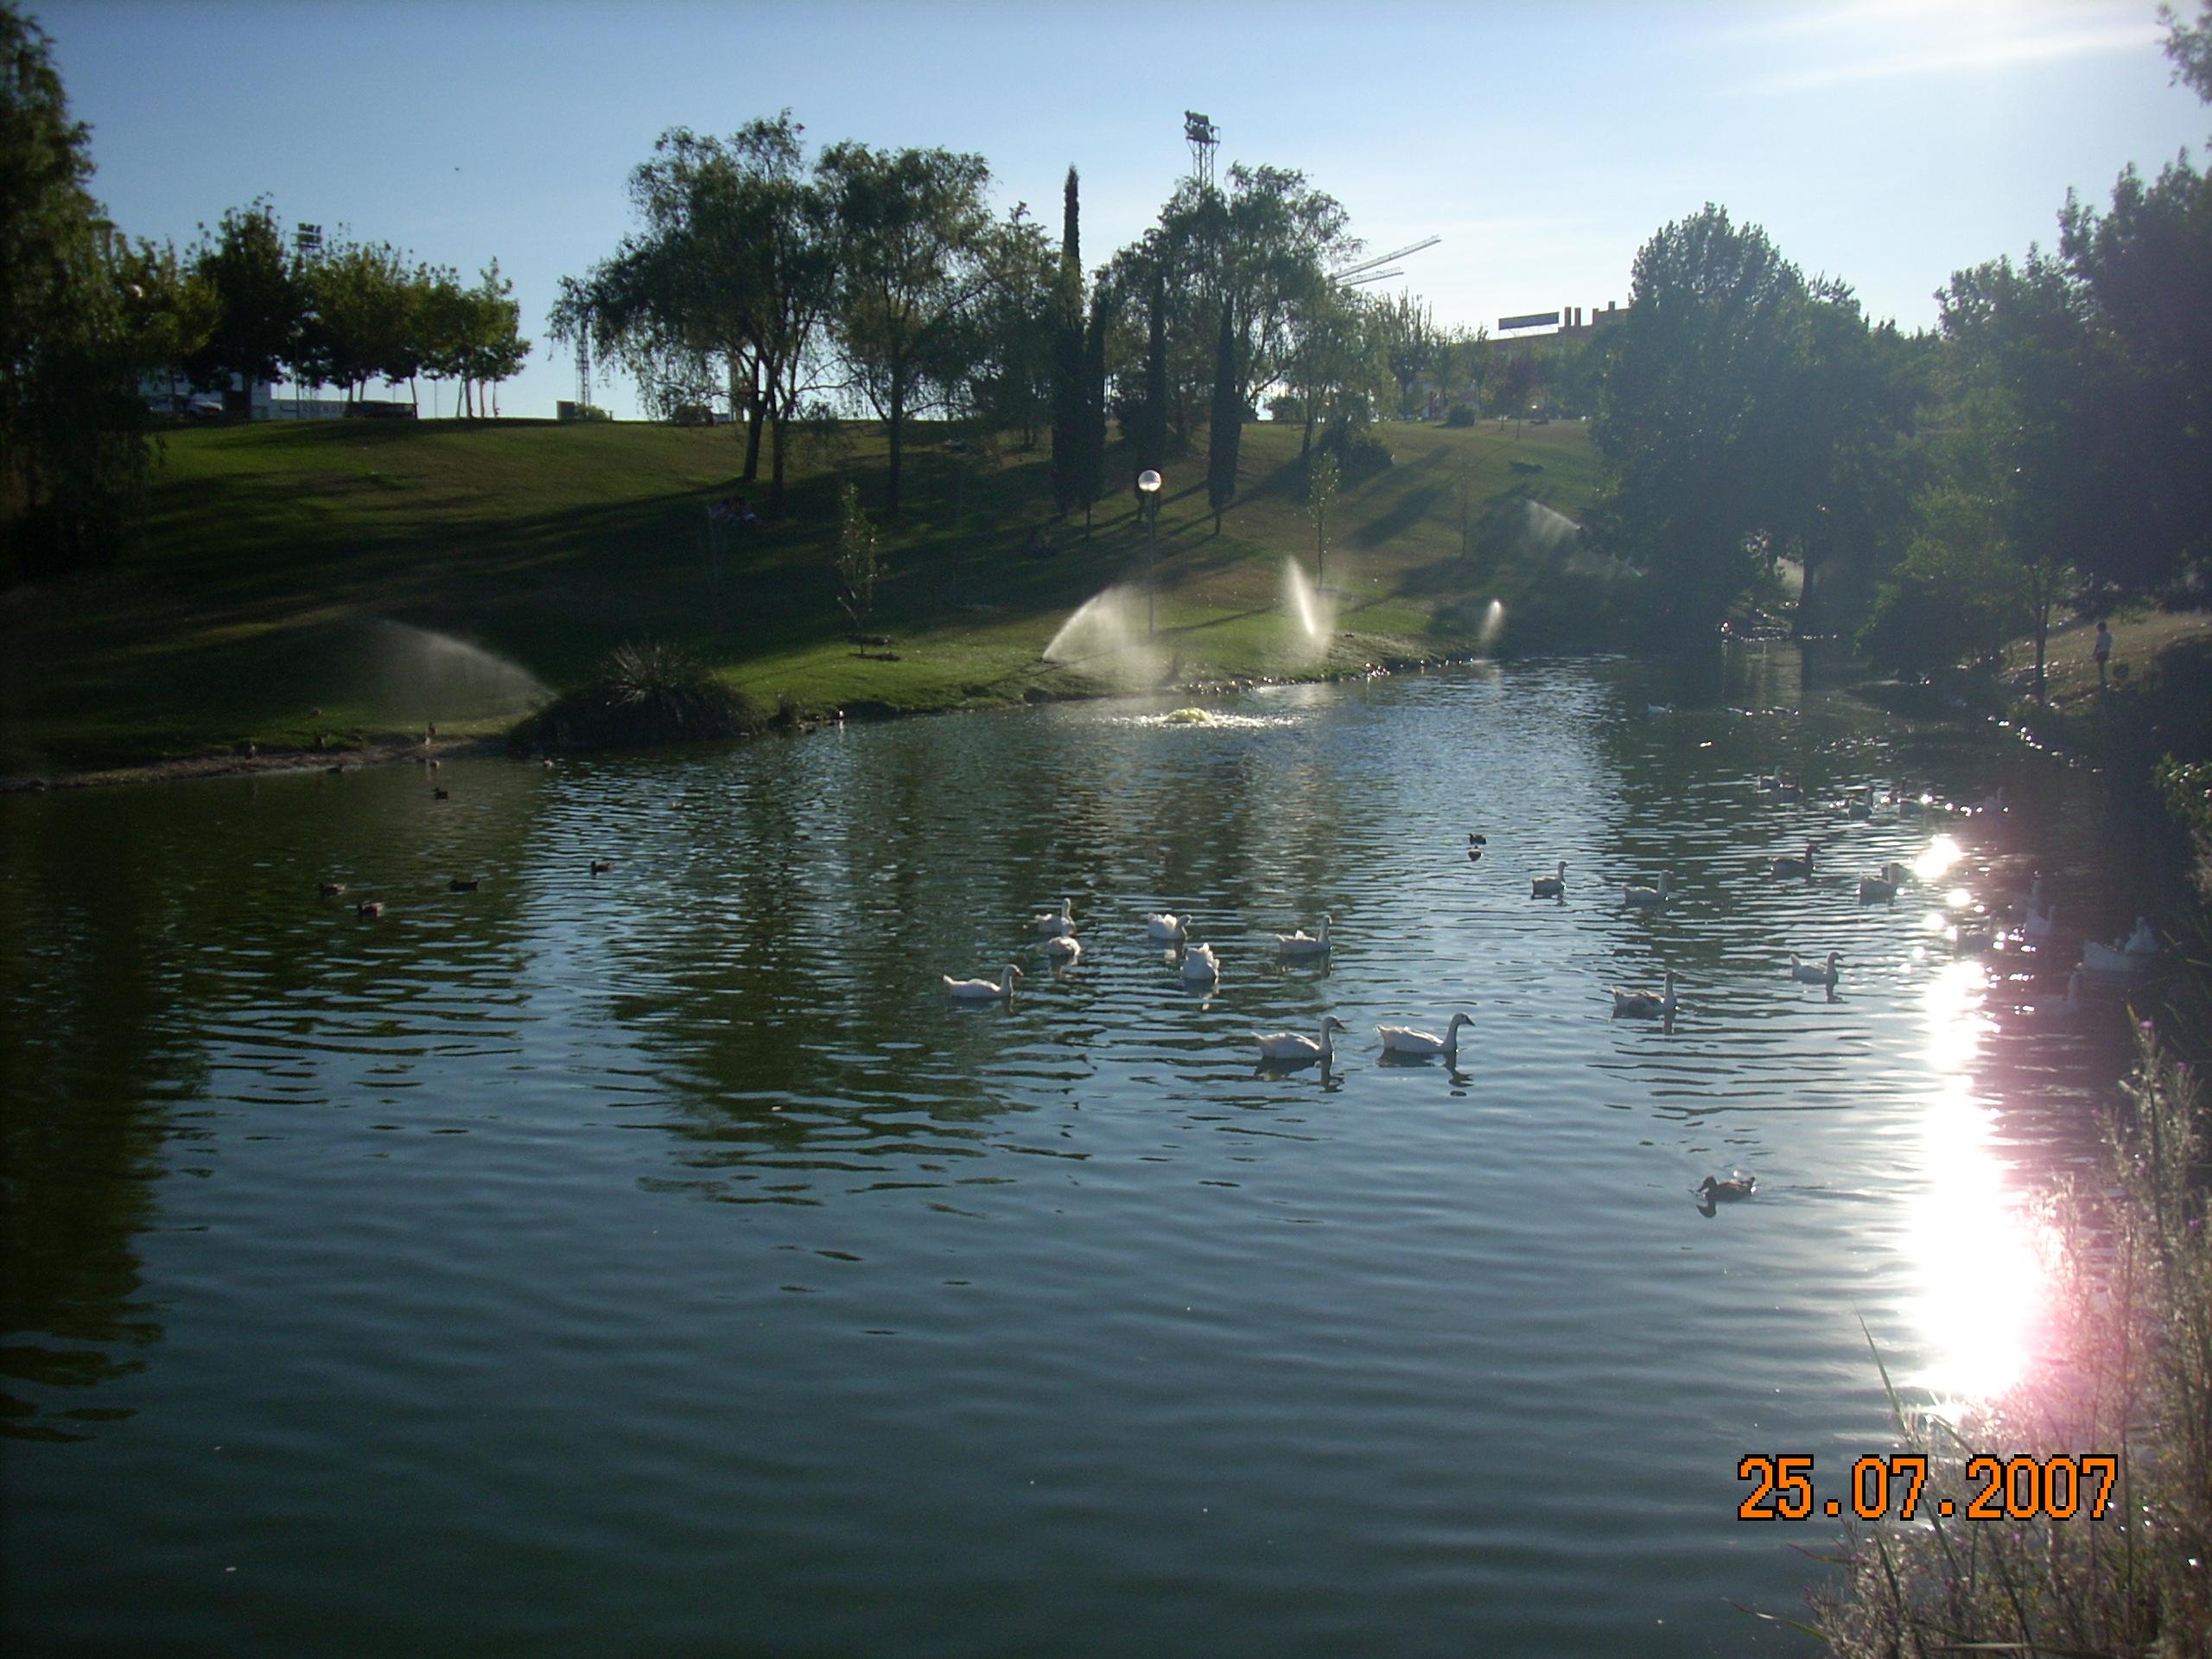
x=356 y=578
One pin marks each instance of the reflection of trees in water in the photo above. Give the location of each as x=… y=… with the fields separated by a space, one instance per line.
x=88 y=997
x=793 y=1001
x=148 y=937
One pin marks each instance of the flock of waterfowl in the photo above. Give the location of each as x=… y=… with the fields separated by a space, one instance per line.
x=1200 y=964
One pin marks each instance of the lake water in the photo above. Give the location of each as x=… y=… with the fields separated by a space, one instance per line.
x=657 y=1262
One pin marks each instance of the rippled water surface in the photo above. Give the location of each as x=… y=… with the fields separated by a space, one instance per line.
x=657 y=1260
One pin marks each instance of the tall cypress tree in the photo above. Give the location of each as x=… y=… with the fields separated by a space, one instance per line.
x=1068 y=401
x=1152 y=450
x=1227 y=427
x=1091 y=471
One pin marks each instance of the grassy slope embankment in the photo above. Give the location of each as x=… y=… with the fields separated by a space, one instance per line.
x=273 y=551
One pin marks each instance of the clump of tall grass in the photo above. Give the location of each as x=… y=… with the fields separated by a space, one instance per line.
x=2129 y=1374
x=643 y=694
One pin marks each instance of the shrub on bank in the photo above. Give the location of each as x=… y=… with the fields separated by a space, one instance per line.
x=641 y=694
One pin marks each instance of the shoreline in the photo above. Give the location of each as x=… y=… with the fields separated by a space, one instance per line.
x=382 y=751
x=393 y=750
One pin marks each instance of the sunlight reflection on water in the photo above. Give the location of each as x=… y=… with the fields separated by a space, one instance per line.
x=1982 y=1282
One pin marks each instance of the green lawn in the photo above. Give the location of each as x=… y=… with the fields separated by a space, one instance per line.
x=360 y=578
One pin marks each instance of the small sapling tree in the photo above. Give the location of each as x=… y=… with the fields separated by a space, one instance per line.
x=1321 y=496
x=859 y=562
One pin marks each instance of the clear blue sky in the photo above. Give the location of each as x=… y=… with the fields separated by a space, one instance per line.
x=1884 y=143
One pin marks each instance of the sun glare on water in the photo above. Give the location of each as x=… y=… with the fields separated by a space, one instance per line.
x=1982 y=1286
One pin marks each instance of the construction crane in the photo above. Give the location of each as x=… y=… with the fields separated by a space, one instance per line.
x=1367 y=270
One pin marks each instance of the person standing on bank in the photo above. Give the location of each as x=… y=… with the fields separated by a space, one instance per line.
x=2102 y=650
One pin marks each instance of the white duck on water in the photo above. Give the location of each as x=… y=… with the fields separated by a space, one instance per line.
x=1549 y=886
x=1813 y=973
x=1060 y=921
x=1200 y=965
x=1646 y=898
x=983 y=991
x=1405 y=1039
x=1290 y=1046
x=1302 y=943
x=1645 y=1005
x=1165 y=926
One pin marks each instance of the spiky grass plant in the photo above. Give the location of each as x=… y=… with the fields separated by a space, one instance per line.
x=644 y=693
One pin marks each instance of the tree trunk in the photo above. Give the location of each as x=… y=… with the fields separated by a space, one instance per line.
x=754 y=414
x=897 y=424
x=776 y=462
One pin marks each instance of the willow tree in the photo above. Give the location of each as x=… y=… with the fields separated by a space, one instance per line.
x=726 y=286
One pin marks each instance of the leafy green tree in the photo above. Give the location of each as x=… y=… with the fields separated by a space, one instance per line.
x=1407 y=330
x=2143 y=269
x=72 y=453
x=2025 y=383
x=1847 y=464
x=1264 y=242
x=1955 y=596
x=1691 y=419
x=1226 y=428
x=2190 y=46
x=262 y=304
x=914 y=239
x=169 y=312
x=361 y=319
x=1333 y=356
x=496 y=350
x=1006 y=344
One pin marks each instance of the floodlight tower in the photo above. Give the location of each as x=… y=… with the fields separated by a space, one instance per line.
x=1204 y=138
x=583 y=369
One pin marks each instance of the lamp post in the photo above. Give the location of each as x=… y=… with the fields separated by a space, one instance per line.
x=1148 y=485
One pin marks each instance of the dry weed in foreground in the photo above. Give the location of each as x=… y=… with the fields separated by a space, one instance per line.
x=2130 y=1374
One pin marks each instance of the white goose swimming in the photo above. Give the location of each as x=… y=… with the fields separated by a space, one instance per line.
x=1289 y=1045
x=2041 y=923
x=1405 y=1039
x=1813 y=973
x=1064 y=949
x=1057 y=921
x=1549 y=886
x=1200 y=964
x=1302 y=943
x=1165 y=925
x=983 y=991
x=1644 y=1004
x=1646 y=898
